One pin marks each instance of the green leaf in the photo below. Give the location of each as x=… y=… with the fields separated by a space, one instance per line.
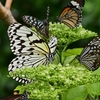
x=69 y=55
x=68 y=59
x=77 y=93
x=94 y=89
x=97 y=71
x=75 y=51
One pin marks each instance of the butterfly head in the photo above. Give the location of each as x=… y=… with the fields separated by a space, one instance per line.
x=59 y=19
x=80 y=2
x=78 y=58
x=51 y=56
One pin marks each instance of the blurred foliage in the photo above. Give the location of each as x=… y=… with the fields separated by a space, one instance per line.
x=37 y=8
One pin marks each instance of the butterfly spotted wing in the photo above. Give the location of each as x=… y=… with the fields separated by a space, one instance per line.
x=41 y=26
x=30 y=48
x=90 y=55
x=71 y=15
x=23 y=96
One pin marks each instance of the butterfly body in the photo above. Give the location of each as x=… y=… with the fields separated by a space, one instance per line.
x=41 y=26
x=31 y=50
x=90 y=55
x=71 y=15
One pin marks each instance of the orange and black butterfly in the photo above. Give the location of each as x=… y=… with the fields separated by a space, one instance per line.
x=71 y=15
x=23 y=96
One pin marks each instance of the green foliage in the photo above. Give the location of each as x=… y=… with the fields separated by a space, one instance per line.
x=53 y=81
x=66 y=57
x=77 y=93
x=62 y=78
x=67 y=35
x=94 y=89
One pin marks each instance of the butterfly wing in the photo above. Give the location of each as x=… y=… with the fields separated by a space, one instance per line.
x=23 y=96
x=25 y=41
x=52 y=44
x=71 y=15
x=90 y=55
x=41 y=26
x=23 y=61
x=31 y=49
x=28 y=46
x=13 y=97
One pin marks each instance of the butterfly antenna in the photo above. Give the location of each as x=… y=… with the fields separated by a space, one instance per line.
x=48 y=11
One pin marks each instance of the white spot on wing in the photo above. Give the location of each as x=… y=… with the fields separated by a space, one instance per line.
x=75 y=4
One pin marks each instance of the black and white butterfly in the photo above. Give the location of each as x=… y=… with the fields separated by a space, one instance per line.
x=31 y=50
x=41 y=26
x=23 y=96
x=90 y=55
x=71 y=15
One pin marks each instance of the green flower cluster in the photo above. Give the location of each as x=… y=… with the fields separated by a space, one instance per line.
x=67 y=35
x=52 y=80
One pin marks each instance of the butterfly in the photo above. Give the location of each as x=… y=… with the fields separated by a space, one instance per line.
x=23 y=96
x=71 y=15
x=90 y=55
x=31 y=50
x=41 y=26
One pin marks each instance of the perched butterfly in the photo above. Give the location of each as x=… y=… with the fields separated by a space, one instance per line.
x=30 y=48
x=23 y=96
x=90 y=55
x=71 y=15
x=41 y=26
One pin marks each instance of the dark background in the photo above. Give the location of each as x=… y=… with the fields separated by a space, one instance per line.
x=37 y=8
